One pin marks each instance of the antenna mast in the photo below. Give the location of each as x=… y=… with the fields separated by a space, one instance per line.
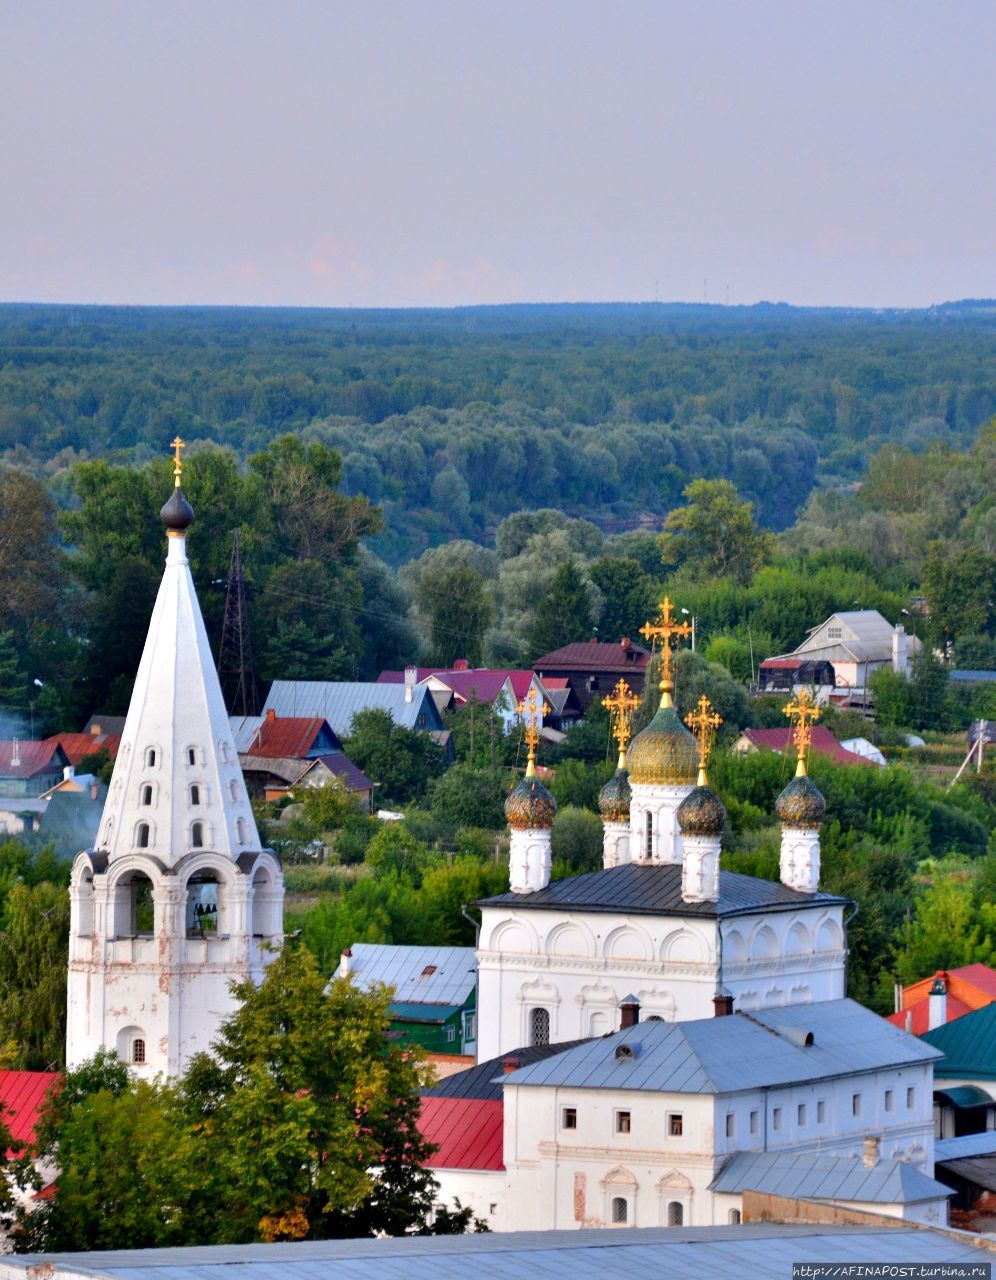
x=236 y=669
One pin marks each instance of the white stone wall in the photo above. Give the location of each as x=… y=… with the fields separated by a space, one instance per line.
x=579 y=966
x=529 y=859
x=799 y=863
x=615 y=844
x=661 y=804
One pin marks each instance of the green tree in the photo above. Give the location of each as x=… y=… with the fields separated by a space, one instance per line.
x=892 y=693
x=326 y=808
x=459 y=608
x=468 y=797
x=565 y=613
x=401 y=761
x=394 y=851
x=12 y=682
x=34 y=955
x=947 y=930
x=628 y=596
x=960 y=586
x=715 y=534
x=576 y=839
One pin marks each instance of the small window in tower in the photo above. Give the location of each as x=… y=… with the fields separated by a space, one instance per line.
x=191 y=756
x=195 y=794
x=649 y=835
x=233 y=791
x=142 y=835
x=243 y=831
x=146 y=795
x=151 y=757
x=197 y=835
x=138 y=1051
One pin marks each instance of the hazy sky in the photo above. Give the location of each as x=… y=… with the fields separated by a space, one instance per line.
x=407 y=152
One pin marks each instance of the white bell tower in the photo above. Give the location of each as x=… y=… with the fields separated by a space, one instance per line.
x=177 y=899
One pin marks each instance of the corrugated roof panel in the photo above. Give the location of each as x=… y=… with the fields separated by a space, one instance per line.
x=814 y=1177
x=467 y=1131
x=339 y=701
x=21 y=1096
x=452 y=978
x=968 y=1045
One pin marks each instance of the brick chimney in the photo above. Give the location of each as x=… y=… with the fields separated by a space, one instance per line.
x=937 y=1002
x=722 y=1004
x=629 y=1013
x=461 y=664
x=411 y=675
x=347 y=955
x=271 y=715
x=872 y=1149
x=509 y=1065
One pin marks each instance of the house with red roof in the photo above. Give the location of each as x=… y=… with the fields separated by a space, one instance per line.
x=452 y=688
x=284 y=737
x=29 y=767
x=22 y=1094
x=77 y=746
x=943 y=996
x=592 y=668
x=823 y=744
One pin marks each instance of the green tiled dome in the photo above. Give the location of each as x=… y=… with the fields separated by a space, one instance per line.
x=701 y=813
x=801 y=804
x=665 y=752
x=614 y=797
x=530 y=805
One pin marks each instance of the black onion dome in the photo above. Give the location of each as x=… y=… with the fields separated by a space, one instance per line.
x=177 y=514
x=701 y=813
x=801 y=804
x=614 y=797
x=530 y=805
x=665 y=752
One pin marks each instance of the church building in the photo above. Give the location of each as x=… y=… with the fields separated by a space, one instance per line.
x=177 y=898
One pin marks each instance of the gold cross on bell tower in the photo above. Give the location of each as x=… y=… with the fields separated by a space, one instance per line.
x=177 y=446
x=665 y=629
x=622 y=702
x=703 y=723
x=803 y=709
x=530 y=709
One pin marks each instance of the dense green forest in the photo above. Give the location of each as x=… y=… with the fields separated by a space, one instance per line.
x=451 y=420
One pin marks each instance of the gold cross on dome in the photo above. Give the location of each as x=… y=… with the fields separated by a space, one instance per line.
x=177 y=446
x=803 y=709
x=703 y=723
x=531 y=710
x=664 y=629
x=621 y=703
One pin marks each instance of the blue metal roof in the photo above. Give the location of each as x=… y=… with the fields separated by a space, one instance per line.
x=451 y=981
x=338 y=701
x=812 y=1177
x=763 y=1251
x=728 y=1055
x=972 y=1144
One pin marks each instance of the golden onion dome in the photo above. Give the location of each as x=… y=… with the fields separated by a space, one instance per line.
x=701 y=813
x=801 y=804
x=530 y=805
x=614 y=798
x=665 y=752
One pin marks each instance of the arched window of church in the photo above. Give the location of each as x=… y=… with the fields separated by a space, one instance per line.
x=151 y=757
x=146 y=795
x=539 y=1026
x=191 y=756
x=233 y=791
x=620 y=1209
x=734 y=1217
x=243 y=831
x=195 y=794
x=197 y=835
x=649 y=826
x=142 y=835
x=138 y=1051
x=675 y=1214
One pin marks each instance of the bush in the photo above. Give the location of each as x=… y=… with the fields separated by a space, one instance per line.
x=576 y=839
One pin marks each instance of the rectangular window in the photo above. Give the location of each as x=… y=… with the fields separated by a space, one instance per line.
x=855 y=1104
x=801 y=1114
x=622 y=1122
x=776 y=1118
x=729 y=1124
x=834 y=633
x=753 y=1122
x=888 y=1099
x=470 y=1026
x=675 y=1124
x=569 y=1118
x=821 y=1112
x=910 y=1098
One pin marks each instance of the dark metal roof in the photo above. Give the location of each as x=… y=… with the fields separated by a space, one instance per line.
x=656 y=891
x=968 y=1045
x=808 y=1176
x=980 y=1170
x=486 y=1080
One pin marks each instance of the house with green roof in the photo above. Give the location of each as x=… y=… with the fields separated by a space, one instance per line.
x=965 y=1078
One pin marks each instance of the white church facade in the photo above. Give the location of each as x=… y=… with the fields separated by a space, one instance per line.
x=178 y=898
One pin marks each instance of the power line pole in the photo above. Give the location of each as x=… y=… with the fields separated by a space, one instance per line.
x=236 y=669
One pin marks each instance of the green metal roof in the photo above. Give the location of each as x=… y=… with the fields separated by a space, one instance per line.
x=966 y=1095
x=968 y=1044
x=408 y=1011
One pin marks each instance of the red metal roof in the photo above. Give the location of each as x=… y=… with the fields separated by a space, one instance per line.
x=979 y=975
x=290 y=737
x=781 y=664
x=78 y=745
x=593 y=655
x=920 y=1020
x=21 y=1096
x=485 y=683
x=823 y=743
x=34 y=757
x=467 y=1131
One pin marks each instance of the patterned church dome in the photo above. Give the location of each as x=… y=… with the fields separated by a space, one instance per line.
x=614 y=798
x=530 y=805
x=701 y=813
x=801 y=804
x=664 y=753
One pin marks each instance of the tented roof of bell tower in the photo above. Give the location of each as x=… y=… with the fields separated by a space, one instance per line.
x=177 y=786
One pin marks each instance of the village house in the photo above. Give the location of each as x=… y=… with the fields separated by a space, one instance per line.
x=592 y=668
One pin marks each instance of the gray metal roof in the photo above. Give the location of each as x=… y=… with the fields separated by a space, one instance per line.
x=763 y=1251
x=728 y=1055
x=656 y=890
x=403 y=968
x=972 y=1144
x=339 y=701
x=486 y=1080
x=812 y=1177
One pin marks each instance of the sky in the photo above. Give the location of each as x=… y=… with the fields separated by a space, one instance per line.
x=447 y=152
